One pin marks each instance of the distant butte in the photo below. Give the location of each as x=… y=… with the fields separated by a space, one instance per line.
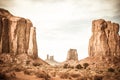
x=72 y=55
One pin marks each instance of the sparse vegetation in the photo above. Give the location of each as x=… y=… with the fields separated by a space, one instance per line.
x=75 y=75
x=64 y=75
x=78 y=66
x=42 y=74
x=36 y=64
x=85 y=65
x=28 y=62
x=17 y=69
x=111 y=70
x=27 y=72
x=2 y=76
x=118 y=70
x=66 y=66
x=98 y=78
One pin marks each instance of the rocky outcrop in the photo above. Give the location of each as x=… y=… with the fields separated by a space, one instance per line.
x=105 y=39
x=72 y=55
x=50 y=60
x=17 y=35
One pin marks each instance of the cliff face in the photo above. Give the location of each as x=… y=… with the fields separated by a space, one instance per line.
x=105 y=39
x=17 y=35
x=72 y=54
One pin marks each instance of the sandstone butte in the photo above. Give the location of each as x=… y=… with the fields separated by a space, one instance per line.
x=105 y=40
x=72 y=55
x=17 y=35
x=17 y=39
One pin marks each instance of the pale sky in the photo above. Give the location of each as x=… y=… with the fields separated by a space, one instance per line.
x=63 y=24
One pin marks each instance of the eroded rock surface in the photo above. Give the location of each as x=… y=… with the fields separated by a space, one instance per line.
x=17 y=35
x=72 y=55
x=105 y=39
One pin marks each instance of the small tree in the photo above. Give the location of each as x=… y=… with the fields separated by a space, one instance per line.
x=85 y=65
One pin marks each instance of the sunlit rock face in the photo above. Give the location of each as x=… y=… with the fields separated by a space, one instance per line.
x=17 y=35
x=105 y=39
x=72 y=55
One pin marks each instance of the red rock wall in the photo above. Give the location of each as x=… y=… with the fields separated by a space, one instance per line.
x=17 y=35
x=105 y=39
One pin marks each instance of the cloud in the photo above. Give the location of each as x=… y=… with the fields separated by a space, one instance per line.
x=6 y=3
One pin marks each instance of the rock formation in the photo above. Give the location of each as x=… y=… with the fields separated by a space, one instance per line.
x=50 y=60
x=72 y=55
x=17 y=35
x=105 y=39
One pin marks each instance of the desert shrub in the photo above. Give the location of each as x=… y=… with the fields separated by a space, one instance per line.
x=53 y=73
x=36 y=64
x=74 y=75
x=78 y=66
x=1 y=62
x=17 y=69
x=72 y=67
x=97 y=78
x=64 y=75
x=111 y=70
x=42 y=74
x=118 y=70
x=27 y=62
x=85 y=65
x=66 y=66
x=82 y=78
x=2 y=76
x=7 y=76
x=27 y=72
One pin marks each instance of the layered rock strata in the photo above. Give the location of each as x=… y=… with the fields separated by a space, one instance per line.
x=72 y=55
x=17 y=35
x=105 y=40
